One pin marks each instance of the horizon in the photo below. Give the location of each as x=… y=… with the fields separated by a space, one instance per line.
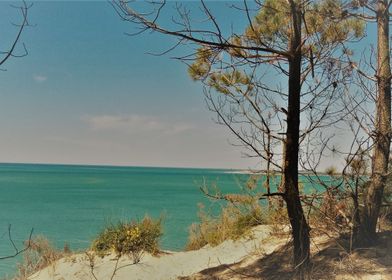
x=88 y=94
x=301 y=171
x=115 y=165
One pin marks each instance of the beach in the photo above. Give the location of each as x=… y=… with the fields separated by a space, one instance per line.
x=262 y=254
x=168 y=265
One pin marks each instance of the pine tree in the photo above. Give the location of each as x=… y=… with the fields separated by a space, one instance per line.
x=296 y=40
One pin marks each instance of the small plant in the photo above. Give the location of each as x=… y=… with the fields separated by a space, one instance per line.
x=131 y=239
x=234 y=221
x=39 y=255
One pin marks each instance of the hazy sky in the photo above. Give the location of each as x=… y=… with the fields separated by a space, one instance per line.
x=88 y=94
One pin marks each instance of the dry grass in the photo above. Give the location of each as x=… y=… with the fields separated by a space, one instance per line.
x=331 y=259
x=232 y=223
x=40 y=254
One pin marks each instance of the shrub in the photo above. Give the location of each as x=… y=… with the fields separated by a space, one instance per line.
x=234 y=221
x=39 y=255
x=131 y=238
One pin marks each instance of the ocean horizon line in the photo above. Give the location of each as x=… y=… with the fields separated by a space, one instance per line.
x=122 y=166
x=97 y=165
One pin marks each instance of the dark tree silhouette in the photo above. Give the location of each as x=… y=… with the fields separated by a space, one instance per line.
x=295 y=40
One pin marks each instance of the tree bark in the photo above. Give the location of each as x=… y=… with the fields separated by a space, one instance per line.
x=373 y=199
x=300 y=228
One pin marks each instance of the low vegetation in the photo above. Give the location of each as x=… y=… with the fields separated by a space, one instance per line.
x=239 y=213
x=331 y=213
x=233 y=221
x=40 y=254
x=130 y=239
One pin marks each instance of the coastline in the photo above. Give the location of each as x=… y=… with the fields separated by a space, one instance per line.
x=168 y=265
x=262 y=254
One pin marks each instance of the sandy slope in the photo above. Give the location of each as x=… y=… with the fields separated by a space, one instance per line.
x=167 y=266
x=259 y=257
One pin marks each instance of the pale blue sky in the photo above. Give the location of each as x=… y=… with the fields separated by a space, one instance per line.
x=88 y=94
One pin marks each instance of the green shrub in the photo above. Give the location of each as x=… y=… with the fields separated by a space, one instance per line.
x=132 y=239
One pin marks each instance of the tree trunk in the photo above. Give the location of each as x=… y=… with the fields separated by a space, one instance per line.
x=373 y=199
x=300 y=228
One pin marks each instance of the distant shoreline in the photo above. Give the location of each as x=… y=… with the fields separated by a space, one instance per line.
x=263 y=172
x=224 y=170
x=116 y=165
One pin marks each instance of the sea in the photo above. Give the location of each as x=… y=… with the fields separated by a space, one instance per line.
x=71 y=204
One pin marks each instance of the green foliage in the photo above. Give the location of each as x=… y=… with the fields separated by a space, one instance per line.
x=199 y=69
x=270 y=23
x=222 y=81
x=233 y=222
x=326 y=20
x=325 y=26
x=132 y=239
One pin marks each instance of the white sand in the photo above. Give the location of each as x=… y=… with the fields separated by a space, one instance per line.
x=167 y=266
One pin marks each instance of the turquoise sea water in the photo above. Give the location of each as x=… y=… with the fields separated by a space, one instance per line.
x=71 y=204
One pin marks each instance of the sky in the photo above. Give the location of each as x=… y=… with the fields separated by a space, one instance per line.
x=87 y=93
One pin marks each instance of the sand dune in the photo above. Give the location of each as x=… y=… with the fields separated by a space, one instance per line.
x=169 y=265
x=261 y=255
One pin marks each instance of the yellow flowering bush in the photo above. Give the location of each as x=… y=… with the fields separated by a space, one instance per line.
x=132 y=239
